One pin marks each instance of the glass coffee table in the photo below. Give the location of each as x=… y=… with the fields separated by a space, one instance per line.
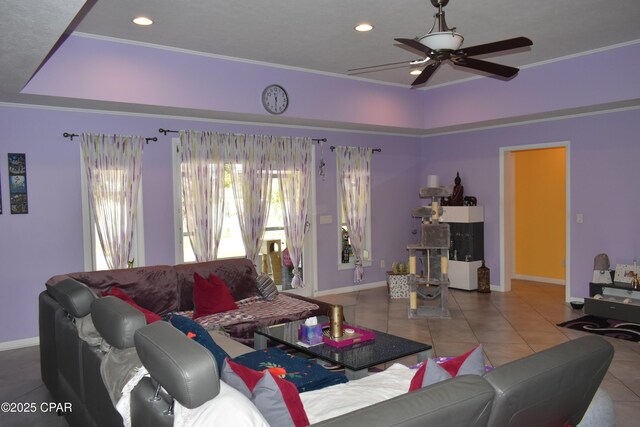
x=356 y=358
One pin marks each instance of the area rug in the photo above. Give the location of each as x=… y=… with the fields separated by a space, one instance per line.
x=608 y=327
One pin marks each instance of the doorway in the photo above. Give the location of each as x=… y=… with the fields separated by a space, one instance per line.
x=510 y=226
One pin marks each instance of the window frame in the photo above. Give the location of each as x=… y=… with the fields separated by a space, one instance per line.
x=309 y=258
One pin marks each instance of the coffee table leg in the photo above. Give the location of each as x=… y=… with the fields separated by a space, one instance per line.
x=259 y=342
x=423 y=355
x=355 y=375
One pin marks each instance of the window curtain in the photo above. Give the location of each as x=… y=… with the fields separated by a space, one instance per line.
x=294 y=175
x=113 y=164
x=202 y=171
x=250 y=160
x=354 y=174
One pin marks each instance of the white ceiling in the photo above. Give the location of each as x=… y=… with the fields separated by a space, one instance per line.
x=314 y=34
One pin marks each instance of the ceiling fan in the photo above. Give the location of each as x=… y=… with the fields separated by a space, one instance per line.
x=444 y=44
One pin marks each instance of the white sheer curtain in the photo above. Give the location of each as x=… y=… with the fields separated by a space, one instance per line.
x=202 y=170
x=294 y=175
x=113 y=164
x=354 y=174
x=250 y=160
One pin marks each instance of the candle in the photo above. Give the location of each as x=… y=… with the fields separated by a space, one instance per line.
x=412 y=265
x=413 y=300
x=432 y=181
x=444 y=265
x=435 y=211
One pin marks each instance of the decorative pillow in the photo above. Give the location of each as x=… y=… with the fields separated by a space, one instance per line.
x=266 y=287
x=472 y=362
x=211 y=296
x=279 y=402
x=277 y=399
x=240 y=377
x=196 y=332
x=119 y=293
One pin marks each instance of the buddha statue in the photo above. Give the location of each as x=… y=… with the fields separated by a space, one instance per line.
x=457 y=196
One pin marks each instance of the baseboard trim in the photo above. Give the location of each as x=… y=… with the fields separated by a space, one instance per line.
x=548 y=280
x=353 y=288
x=26 y=342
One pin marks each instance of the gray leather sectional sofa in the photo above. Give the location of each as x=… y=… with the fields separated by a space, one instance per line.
x=552 y=388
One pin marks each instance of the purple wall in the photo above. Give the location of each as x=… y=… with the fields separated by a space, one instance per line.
x=598 y=78
x=48 y=240
x=604 y=152
x=106 y=70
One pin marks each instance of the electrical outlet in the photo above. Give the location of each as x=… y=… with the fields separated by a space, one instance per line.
x=382 y=264
x=580 y=218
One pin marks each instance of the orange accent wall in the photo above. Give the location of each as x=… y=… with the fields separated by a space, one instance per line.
x=540 y=212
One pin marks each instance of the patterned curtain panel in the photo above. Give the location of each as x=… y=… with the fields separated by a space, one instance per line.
x=294 y=175
x=202 y=169
x=250 y=159
x=354 y=175
x=113 y=164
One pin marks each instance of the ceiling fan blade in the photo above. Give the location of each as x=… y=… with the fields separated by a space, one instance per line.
x=489 y=67
x=426 y=73
x=494 y=47
x=379 y=65
x=415 y=44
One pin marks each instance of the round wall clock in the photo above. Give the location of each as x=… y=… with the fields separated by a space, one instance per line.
x=275 y=99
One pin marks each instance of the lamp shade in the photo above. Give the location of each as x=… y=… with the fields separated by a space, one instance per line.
x=442 y=40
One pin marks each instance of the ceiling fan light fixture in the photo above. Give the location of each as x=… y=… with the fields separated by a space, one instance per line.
x=449 y=40
x=363 y=27
x=415 y=72
x=142 y=21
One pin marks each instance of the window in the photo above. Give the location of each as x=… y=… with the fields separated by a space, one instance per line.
x=345 y=257
x=94 y=258
x=273 y=257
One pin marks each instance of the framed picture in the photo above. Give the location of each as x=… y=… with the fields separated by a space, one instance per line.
x=18 y=183
x=624 y=273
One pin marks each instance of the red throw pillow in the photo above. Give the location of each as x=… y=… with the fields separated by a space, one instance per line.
x=277 y=399
x=119 y=293
x=211 y=296
x=472 y=362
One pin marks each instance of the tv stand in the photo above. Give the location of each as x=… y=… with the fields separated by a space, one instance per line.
x=613 y=305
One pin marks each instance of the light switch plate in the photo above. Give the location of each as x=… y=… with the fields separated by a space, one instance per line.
x=326 y=219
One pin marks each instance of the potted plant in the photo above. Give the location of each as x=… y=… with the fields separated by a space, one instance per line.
x=398 y=280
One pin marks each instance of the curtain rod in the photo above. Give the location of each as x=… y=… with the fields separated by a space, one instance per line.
x=373 y=150
x=166 y=131
x=73 y=135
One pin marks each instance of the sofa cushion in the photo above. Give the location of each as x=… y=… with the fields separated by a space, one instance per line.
x=470 y=363
x=120 y=294
x=266 y=287
x=240 y=377
x=153 y=287
x=73 y=296
x=197 y=333
x=211 y=296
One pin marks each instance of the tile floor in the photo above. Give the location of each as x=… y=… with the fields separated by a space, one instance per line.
x=509 y=325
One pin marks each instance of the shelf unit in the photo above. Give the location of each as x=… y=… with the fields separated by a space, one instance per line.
x=466 y=251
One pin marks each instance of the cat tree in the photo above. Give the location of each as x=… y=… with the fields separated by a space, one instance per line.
x=428 y=291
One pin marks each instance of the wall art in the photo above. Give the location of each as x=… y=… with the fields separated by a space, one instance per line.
x=18 y=183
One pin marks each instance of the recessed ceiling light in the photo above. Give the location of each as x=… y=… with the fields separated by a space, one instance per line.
x=364 y=27
x=415 y=72
x=142 y=20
